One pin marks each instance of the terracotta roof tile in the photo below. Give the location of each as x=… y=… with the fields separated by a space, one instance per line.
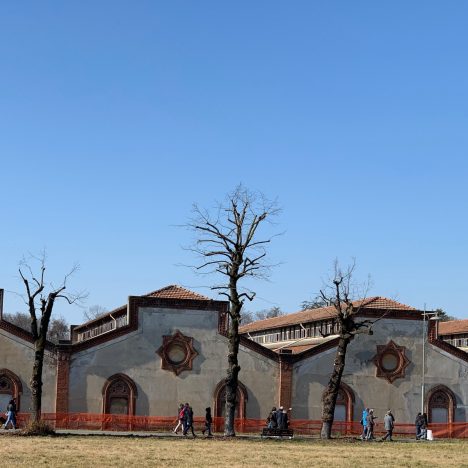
x=453 y=327
x=323 y=313
x=177 y=292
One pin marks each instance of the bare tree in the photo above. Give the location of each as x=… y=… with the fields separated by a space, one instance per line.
x=339 y=294
x=94 y=312
x=58 y=327
x=315 y=303
x=40 y=299
x=227 y=243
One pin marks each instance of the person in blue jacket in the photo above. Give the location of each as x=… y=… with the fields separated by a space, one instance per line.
x=365 y=413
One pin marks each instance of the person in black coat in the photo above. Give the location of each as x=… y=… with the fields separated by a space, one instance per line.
x=208 y=422
x=280 y=418
x=271 y=420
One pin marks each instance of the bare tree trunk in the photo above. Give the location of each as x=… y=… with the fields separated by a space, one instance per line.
x=331 y=392
x=36 y=380
x=232 y=378
x=233 y=369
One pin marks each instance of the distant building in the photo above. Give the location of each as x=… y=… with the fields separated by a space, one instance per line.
x=455 y=332
x=170 y=346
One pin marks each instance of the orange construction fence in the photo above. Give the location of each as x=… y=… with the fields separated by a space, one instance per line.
x=113 y=422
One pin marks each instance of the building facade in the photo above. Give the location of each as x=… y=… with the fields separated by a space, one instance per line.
x=170 y=346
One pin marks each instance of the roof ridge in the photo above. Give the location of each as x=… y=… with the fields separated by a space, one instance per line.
x=179 y=288
x=324 y=312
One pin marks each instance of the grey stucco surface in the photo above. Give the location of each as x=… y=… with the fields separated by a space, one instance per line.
x=403 y=396
x=17 y=356
x=160 y=391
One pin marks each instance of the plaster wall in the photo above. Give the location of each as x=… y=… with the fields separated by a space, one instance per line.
x=160 y=391
x=17 y=356
x=403 y=396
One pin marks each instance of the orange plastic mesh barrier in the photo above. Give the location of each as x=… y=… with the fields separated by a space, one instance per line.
x=114 y=422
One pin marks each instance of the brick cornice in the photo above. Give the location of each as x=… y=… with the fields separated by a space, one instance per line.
x=390 y=314
x=258 y=348
x=134 y=302
x=23 y=334
x=434 y=340
x=316 y=350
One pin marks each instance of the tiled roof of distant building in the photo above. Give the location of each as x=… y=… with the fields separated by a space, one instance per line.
x=177 y=292
x=453 y=327
x=322 y=313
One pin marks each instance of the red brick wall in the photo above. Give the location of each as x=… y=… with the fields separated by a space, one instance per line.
x=63 y=381
x=285 y=383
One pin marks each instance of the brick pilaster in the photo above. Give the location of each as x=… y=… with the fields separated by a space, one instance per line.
x=285 y=383
x=63 y=380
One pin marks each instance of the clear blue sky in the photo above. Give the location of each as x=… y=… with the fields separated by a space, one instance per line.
x=117 y=115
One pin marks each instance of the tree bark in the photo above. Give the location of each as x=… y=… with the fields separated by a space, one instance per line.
x=232 y=378
x=331 y=392
x=36 y=380
x=233 y=369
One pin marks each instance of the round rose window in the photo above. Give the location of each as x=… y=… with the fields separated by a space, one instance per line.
x=176 y=353
x=390 y=362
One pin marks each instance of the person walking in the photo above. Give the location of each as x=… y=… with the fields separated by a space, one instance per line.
x=189 y=420
x=180 y=419
x=389 y=422
x=11 y=414
x=370 y=425
x=208 y=422
x=364 y=423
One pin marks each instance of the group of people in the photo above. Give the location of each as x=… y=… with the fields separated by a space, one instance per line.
x=185 y=420
x=368 y=418
x=368 y=422
x=278 y=418
x=10 y=414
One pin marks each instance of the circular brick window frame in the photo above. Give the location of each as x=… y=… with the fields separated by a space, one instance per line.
x=177 y=353
x=397 y=354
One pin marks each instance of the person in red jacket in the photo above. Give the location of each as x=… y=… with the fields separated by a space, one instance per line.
x=180 y=419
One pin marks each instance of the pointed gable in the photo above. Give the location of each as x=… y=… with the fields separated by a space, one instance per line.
x=175 y=291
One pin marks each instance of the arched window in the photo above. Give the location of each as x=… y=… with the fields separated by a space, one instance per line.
x=10 y=387
x=220 y=400
x=441 y=405
x=344 y=404
x=119 y=395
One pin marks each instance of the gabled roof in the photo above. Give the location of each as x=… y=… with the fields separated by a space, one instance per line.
x=323 y=313
x=453 y=327
x=177 y=292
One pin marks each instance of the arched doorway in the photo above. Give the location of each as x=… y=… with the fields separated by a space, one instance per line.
x=441 y=405
x=220 y=400
x=344 y=404
x=10 y=387
x=119 y=395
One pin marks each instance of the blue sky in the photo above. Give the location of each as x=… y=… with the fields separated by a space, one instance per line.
x=116 y=116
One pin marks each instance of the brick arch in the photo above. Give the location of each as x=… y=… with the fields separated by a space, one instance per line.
x=441 y=396
x=119 y=386
x=10 y=384
x=220 y=399
x=346 y=398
